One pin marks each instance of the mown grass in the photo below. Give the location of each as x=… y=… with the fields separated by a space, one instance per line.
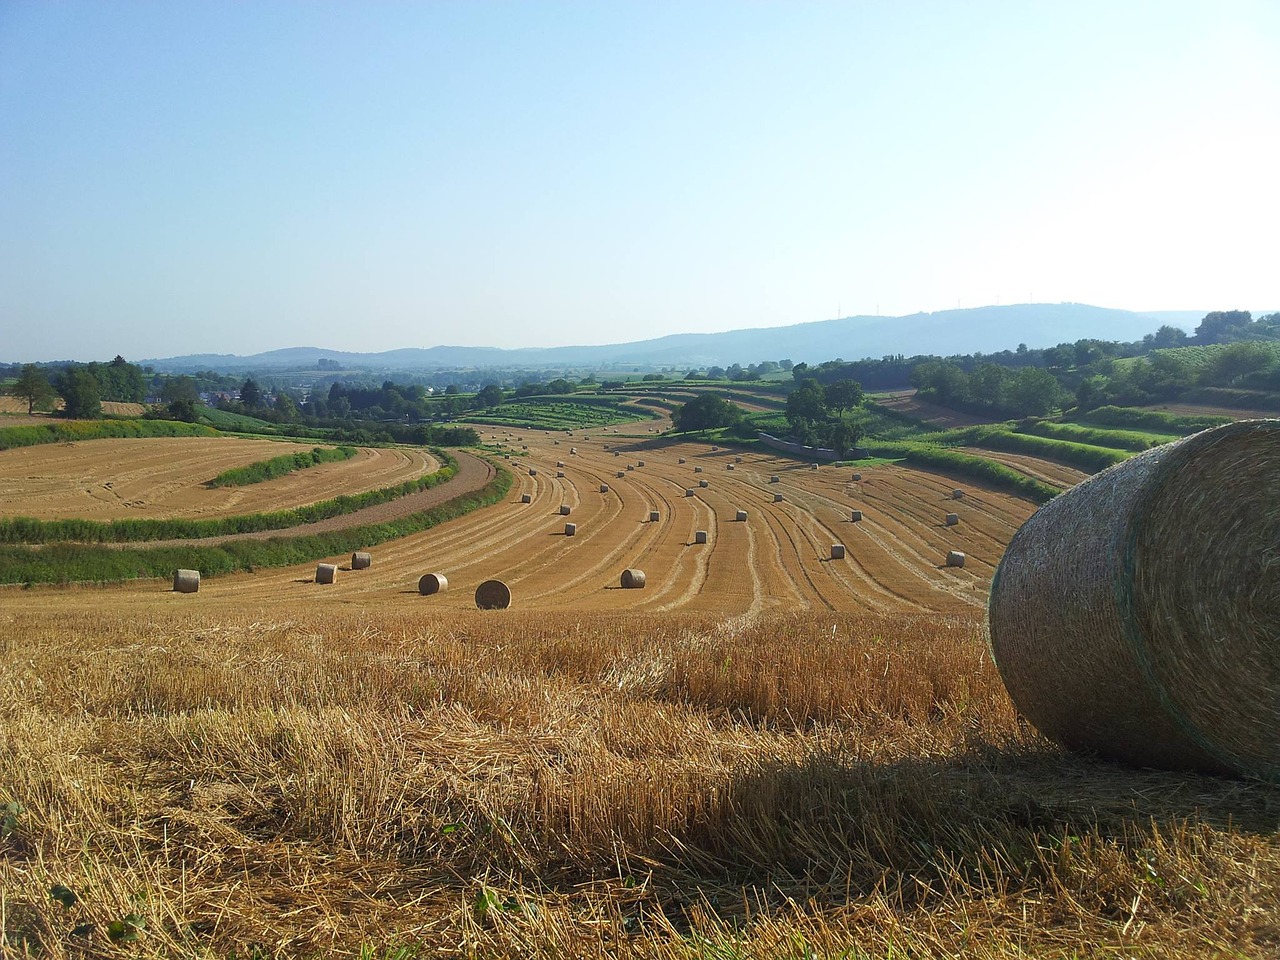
x=14 y=530
x=1132 y=440
x=668 y=786
x=75 y=430
x=560 y=414
x=1153 y=420
x=263 y=470
x=77 y=562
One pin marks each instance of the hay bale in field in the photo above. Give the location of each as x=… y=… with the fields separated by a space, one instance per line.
x=953 y=519
x=617 y=453
x=533 y=472
x=855 y=516
x=741 y=516
x=814 y=467
x=737 y=459
x=654 y=516
x=955 y=558
x=493 y=595
x=1148 y=594
x=777 y=498
x=728 y=466
x=857 y=477
x=430 y=583
x=715 y=449
x=620 y=474
x=526 y=498
x=957 y=494
x=639 y=463
x=604 y=487
x=573 y=451
x=704 y=483
x=564 y=509
x=186 y=581
x=680 y=460
x=559 y=463
x=559 y=474
x=697 y=469
x=570 y=529
x=361 y=560
x=837 y=551
x=632 y=579
x=774 y=478
x=700 y=536
x=630 y=466
x=326 y=572
x=689 y=492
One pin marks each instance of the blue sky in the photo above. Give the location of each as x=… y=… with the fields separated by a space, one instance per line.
x=235 y=177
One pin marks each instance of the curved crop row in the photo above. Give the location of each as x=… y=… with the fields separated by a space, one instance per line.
x=74 y=430
x=996 y=474
x=280 y=466
x=29 y=530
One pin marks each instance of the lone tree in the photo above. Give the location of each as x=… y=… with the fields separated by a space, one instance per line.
x=34 y=387
x=706 y=412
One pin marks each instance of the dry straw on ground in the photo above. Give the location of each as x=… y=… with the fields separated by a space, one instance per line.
x=1150 y=593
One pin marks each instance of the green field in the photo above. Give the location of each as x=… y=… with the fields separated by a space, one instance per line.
x=559 y=414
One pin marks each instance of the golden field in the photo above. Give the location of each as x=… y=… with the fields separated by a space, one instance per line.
x=764 y=753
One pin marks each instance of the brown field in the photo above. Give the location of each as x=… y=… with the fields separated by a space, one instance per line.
x=13 y=405
x=1047 y=471
x=762 y=754
x=165 y=477
x=944 y=418
x=1199 y=410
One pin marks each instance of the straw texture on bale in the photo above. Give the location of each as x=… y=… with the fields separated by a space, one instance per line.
x=526 y=498
x=953 y=519
x=186 y=581
x=564 y=509
x=1150 y=593
x=632 y=579
x=493 y=595
x=837 y=551
x=360 y=560
x=430 y=583
x=653 y=516
x=326 y=572
x=700 y=536
x=855 y=516
x=741 y=516
x=570 y=529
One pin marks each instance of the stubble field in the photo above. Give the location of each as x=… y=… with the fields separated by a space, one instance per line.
x=764 y=753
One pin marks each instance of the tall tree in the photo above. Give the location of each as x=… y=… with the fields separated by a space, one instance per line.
x=844 y=395
x=34 y=387
x=251 y=393
x=706 y=412
x=182 y=396
x=81 y=394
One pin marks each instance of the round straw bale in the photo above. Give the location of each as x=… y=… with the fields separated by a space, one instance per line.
x=714 y=449
x=570 y=529
x=700 y=536
x=360 y=560
x=630 y=466
x=604 y=488
x=737 y=459
x=559 y=474
x=186 y=581
x=857 y=477
x=953 y=519
x=689 y=492
x=639 y=463
x=326 y=572
x=957 y=494
x=617 y=453
x=680 y=460
x=526 y=498
x=559 y=463
x=704 y=483
x=773 y=478
x=955 y=558
x=632 y=579
x=493 y=595
x=728 y=466
x=855 y=516
x=430 y=583
x=620 y=474
x=1136 y=615
x=564 y=509
x=654 y=517
x=837 y=551
x=777 y=498
x=741 y=516
x=533 y=472
x=573 y=451
x=814 y=467
x=697 y=469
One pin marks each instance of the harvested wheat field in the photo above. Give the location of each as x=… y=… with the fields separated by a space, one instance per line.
x=1037 y=468
x=944 y=418
x=165 y=477
x=114 y=408
x=762 y=753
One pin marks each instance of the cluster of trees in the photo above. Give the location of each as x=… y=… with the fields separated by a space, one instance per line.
x=753 y=371
x=991 y=389
x=819 y=415
x=82 y=387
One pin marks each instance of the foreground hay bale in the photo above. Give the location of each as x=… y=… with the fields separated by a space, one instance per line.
x=777 y=498
x=837 y=551
x=1136 y=615
x=565 y=509
x=632 y=579
x=526 y=498
x=653 y=516
x=741 y=516
x=857 y=478
x=570 y=529
x=360 y=560
x=186 y=581
x=704 y=483
x=955 y=558
x=604 y=487
x=688 y=492
x=493 y=595
x=430 y=583
x=855 y=516
x=953 y=519
x=326 y=572
x=700 y=536
x=957 y=494
x=697 y=469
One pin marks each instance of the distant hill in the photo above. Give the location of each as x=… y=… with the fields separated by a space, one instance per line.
x=947 y=332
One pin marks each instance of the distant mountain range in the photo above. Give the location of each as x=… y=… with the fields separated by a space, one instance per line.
x=945 y=333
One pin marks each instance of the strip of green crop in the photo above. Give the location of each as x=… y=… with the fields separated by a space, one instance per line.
x=1097 y=436
x=1001 y=437
x=73 y=430
x=1182 y=424
x=74 y=563
x=979 y=468
x=280 y=466
x=28 y=530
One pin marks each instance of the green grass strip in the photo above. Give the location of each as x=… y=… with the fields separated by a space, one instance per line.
x=73 y=430
x=1134 y=440
x=28 y=530
x=979 y=468
x=72 y=563
x=280 y=466
x=1128 y=417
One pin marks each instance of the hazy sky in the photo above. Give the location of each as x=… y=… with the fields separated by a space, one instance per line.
x=235 y=177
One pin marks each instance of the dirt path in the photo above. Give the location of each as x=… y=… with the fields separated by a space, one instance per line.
x=473 y=473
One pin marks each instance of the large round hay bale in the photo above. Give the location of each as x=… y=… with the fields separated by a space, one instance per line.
x=741 y=516
x=573 y=451
x=631 y=466
x=837 y=551
x=565 y=509
x=526 y=498
x=1136 y=615
x=777 y=498
x=680 y=460
x=186 y=581
x=689 y=492
x=533 y=472
x=700 y=536
x=570 y=529
x=559 y=474
x=493 y=595
x=704 y=483
x=697 y=469
x=955 y=558
x=857 y=478
x=604 y=487
x=728 y=466
x=653 y=516
x=361 y=560
x=632 y=579
x=855 y=516
x=326 y=572
x=774 y=478
x=957 y=494
x=639 y=463
x=953 y=519
x=430 y=583
x=559 y=463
